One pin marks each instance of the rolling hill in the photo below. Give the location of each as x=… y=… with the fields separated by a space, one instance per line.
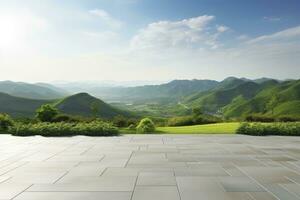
x=80 y=104
x=287 y=95
x=31 y=91
x=18 y=106
x=84 y=104
x=235 y=97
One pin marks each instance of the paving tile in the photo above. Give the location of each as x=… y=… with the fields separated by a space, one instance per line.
x=141 y=167
x=155 y=192
x=191 y=188
x=74 y=196
x=203 y=171
x=156 y=180
x=8 y=190
x=280 y=192
x=240 y=184
x=86 y=184
x=262 y=196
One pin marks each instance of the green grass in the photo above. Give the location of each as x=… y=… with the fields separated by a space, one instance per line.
x=219 y=128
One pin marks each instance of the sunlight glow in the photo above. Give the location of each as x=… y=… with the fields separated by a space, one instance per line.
x=10 y=31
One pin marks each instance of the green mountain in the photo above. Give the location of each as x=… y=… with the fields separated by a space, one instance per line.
x=84 y=104
x=235 y=97
x=81 y=104
x=18 y=106
x=31 y=91
x=285 y=97
x=171 y=91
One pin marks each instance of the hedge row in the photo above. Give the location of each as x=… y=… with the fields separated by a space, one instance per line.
x=262 y=129
x=64 y=129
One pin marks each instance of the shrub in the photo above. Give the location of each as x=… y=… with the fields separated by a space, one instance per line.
x=192 y=120
x=259 y=118
x=46 y=113
x=287 y=118
x=5 y=122
x=146 y=125
x=64 y=118
x=261 y=129
x=95 y=128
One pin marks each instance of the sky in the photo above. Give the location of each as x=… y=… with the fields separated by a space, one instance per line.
x=126 y=40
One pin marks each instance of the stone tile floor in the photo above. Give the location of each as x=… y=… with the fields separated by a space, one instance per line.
x=154 y=167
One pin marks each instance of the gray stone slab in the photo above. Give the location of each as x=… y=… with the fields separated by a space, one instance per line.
x=87 y=184
x=155 y=192
x=156 y=180
x=186 y=167
x=74 y=196
x=240 y=184
x=9 y=191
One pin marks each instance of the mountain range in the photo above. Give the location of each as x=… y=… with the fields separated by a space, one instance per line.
x=232 y=98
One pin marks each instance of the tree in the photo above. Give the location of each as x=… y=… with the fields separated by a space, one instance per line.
x=272 y=103
x=5 y=122
x=146 y=125
x=46 y=113
x=120 y=121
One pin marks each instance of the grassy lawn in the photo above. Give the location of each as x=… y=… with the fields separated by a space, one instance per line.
x=219 y=128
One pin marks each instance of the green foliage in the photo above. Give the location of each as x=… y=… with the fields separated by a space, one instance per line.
x=120 y=121
x=146 y=125
x=96 y=128
x=259 y=118
x=261 y=129
x=5 y=122
x=65 y=118
x=288 y=118
x=193 y=120
x=46 y=113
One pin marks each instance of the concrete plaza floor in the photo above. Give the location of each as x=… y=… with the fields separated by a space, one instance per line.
x=150 y=167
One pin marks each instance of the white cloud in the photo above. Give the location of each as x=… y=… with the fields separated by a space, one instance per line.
x=192 y=32
x=222 y=29
x=289 y=33
x=106 y=18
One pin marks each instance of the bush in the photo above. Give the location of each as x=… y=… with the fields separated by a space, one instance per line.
x=5 y=122
x=95 y=128
x=260 y=129
x=46 y=113
x=259 y=118
x=287 y=118
x=64 y=118
x=192 y=120
x=146 y=125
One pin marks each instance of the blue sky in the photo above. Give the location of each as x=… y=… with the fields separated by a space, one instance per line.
x=148 y=39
